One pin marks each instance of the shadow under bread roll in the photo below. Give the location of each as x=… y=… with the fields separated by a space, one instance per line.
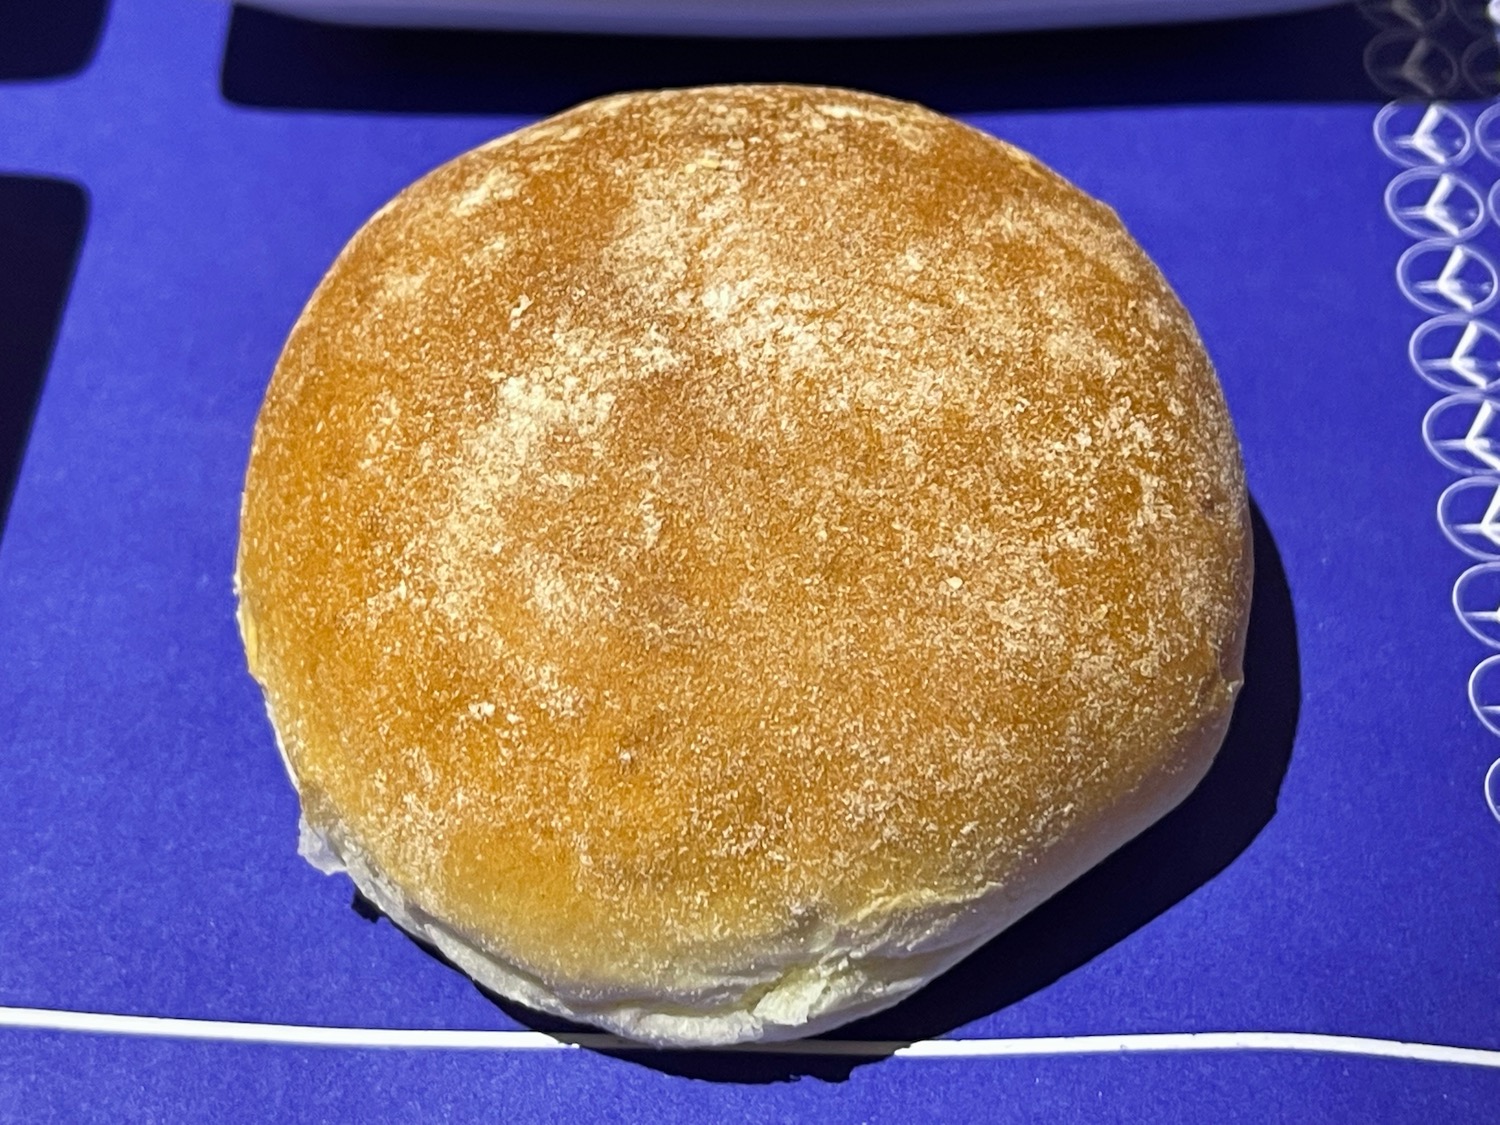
x=715 y=557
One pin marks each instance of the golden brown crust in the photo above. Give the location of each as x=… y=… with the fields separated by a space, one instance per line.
x=711 y=521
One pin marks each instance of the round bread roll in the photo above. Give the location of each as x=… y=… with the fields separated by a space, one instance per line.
x=715 y=557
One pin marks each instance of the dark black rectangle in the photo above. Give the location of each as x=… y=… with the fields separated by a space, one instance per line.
x=276 y=61
x=48 y=38
x=41 y=229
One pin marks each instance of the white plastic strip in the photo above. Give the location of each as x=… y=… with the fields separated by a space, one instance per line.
x=301 y=1035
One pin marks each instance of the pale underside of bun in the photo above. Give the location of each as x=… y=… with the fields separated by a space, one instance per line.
x=715 y=557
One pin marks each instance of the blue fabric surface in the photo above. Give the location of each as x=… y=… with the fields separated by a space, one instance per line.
x=1335 y=875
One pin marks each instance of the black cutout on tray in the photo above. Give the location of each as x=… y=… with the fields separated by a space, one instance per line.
x=41 y=228
x=48 y=38
x=1145 y=878
x=276 y=61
